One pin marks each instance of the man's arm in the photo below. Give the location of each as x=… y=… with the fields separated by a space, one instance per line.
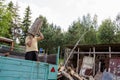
x=40 y=36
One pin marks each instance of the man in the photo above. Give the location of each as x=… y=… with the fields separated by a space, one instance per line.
x=31 y=42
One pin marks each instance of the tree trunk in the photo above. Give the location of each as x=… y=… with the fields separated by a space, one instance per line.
x=34 y=30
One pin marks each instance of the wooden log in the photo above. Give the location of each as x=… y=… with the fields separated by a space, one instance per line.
x=73 y=73
x=67 y=75
x=98 y=76
x=34 y=30
x=61 y=68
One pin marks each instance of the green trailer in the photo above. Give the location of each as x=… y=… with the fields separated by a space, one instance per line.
x=19 y=69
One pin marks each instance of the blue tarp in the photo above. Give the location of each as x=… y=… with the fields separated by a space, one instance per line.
x=107 y=76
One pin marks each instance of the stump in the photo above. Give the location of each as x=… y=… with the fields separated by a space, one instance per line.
x=34 y=30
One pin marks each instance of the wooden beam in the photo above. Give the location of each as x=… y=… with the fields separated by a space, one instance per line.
x=89 y=51
x=12 y=46
x=78 y=64
x=109 y=52
x=94 y=61
x=6 y=40
x=96 y=52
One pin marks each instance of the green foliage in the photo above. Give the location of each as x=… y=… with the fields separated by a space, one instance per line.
x=5 y=18
x=26 y=20
x=90 y=37
x=78 y=28
x=106 y=32
x=90 y=29
x=117 y=31
x=52 y=37
x=74 y=32
x=15 y=23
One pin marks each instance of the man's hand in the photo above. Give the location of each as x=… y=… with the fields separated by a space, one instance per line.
x=40 y=36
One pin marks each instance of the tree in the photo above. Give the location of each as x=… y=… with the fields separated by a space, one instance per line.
x=57 y=37
x=52 y=37
x=90 y=29
x=90 y=36
x=86 y=21
x=15 y=23
x=106 y=32
x=95 y=22
x=48 y=33
x=10 y=8
x=25 y=24
x=117 y=22
x=5 y=18
x=74 y=32
x=86 y=28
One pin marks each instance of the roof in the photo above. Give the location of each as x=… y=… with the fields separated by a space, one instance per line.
x=3 y=39
x=98 y=47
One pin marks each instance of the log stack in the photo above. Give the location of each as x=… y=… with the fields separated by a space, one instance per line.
x=69 y=74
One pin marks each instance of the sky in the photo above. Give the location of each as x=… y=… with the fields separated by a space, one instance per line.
x=64 y=12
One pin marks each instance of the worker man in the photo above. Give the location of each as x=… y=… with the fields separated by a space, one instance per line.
x=31 y=42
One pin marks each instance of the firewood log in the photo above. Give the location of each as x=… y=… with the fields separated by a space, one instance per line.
x=73 y=73
x=34 y=30
x=67 y=75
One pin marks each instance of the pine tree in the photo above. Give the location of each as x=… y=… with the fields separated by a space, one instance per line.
x=26 y=23
x=10 y=9
x=16 y=29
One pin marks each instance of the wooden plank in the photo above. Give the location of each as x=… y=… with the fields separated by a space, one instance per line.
x=94 y=61
x=96 y=52
x=78 y=64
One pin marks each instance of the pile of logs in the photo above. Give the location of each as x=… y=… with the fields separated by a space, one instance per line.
x=71 y=74
x=68 y=74
x=84 y=73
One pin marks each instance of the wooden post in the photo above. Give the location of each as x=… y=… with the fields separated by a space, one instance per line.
x=66 y=54
x=109 y=57
x=78 y=61
x=109 y=52
x=94 y=61
x=12 y=46
x=89 y=51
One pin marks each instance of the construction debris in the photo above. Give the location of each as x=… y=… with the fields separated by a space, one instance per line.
x=87 y=67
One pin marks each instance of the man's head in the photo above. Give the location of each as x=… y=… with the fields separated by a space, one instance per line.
x=29 y=34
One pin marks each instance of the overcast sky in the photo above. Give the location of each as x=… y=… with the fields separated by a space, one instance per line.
x=64 y=12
